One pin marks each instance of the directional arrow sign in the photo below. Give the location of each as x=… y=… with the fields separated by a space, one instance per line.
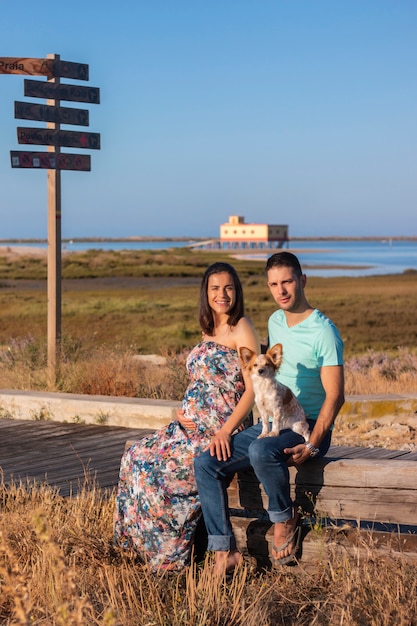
x=66 y=69
x=51 y=161
x=33 y=67
x=51 y=137
x=43 y=67
x=45 y=113
x=51 y=91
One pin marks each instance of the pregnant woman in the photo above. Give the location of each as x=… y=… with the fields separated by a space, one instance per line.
x=157 y=507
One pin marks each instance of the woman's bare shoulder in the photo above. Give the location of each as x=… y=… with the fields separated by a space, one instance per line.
x=246 y=334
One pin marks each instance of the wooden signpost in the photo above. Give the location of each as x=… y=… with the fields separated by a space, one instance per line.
x=51 y=67
x=69 y=138
x=53 y=160
x=57 y=91
x=50 y=161
x=44 y=113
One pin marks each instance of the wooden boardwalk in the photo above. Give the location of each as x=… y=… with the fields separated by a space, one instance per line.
x=63 y=454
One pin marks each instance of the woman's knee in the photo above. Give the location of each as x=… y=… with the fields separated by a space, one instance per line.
x=204 y=463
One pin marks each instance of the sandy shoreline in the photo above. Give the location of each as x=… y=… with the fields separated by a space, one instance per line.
x=15 y=252
x=11 y=253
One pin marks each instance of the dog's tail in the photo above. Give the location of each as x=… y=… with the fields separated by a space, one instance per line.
x=302 y=429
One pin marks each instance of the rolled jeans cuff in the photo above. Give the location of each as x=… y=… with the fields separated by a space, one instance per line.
x=221 y=543
x=281 y=516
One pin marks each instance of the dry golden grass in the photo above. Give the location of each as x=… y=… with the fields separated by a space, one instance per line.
x=116 y=372
x=373 y=382
x=95 y=372
x=58 y=566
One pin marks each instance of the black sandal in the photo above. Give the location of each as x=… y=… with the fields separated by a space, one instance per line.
x=295 y=538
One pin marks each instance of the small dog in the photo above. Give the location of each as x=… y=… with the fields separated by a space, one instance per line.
x=272 y=398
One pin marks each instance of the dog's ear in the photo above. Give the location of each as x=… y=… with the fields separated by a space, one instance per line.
x=276 y=353
x=245 y=355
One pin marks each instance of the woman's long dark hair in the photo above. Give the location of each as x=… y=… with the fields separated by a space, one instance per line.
x=205 y=313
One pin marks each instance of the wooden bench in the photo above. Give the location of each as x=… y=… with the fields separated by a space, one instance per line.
x=349 y=489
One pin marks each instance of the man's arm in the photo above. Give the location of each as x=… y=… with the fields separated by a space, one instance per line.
x=332 y=378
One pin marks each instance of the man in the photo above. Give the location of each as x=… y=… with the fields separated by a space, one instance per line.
x=313 y=369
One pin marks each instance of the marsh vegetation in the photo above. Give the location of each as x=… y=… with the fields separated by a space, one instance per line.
x=119 y=304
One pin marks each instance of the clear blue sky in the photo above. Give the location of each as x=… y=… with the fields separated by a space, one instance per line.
x=298 y=112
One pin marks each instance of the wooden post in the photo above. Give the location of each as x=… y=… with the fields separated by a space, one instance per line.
x=54 y=254
x=53 y=68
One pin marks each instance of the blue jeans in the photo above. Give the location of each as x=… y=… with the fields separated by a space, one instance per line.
x=269 y=463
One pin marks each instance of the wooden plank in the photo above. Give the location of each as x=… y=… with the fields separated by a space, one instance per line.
x=390 y=506
x=56 y=456
x=379 y=489
x=61 y=91
x=47 y=113
x=25 y=65
x=46 y=429
x=390 y=473
x=75 y=457
x=69 y=69
x=53 y=458
x=337 y=452
x=56 y=441
x=255 y=538
x=393 y=474
x=360 y=510
x=51 y=137
x=369 y=495
x=62 y=454
x=357 y=452
x=50 y=161
x=380 y=453
x=43 y=67
x=56 y=452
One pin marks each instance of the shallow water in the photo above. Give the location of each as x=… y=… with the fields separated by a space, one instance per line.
x=319 y=258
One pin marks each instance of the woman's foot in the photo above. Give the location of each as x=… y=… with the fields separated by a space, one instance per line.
x=226 y=561
x=286 y=540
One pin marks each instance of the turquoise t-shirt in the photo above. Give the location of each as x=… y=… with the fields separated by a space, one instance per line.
x=306 y=347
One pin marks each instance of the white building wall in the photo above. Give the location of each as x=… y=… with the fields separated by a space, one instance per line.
x=236 y=230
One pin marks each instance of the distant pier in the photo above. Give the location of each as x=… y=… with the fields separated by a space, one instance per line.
x=249 y=246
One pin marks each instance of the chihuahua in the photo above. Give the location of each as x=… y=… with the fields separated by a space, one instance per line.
x=272 y=398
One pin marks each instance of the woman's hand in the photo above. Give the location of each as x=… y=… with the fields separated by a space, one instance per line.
x=185 y=422
x=220 y=446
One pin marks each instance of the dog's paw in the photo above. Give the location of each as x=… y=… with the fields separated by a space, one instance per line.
x=270 y=433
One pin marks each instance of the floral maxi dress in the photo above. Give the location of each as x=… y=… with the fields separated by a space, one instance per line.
x=157 y=507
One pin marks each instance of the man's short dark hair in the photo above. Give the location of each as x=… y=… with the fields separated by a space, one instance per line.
x=284 y=259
